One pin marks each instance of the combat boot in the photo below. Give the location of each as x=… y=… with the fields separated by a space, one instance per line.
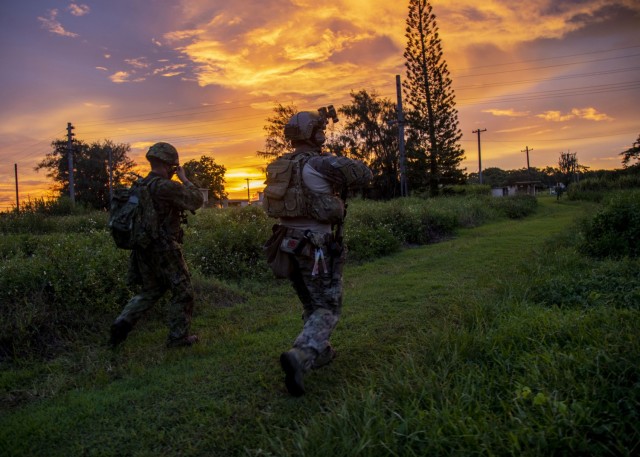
x=119 y=331
x=293 y=365
x=324 y=358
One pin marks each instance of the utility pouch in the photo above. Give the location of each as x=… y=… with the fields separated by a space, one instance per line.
x=327 y=208
x=278 y=176
x=278 y=260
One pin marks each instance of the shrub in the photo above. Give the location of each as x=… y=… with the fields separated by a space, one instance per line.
x=615 y=230
x=369 y=242
x=62 y=286
x=515 y=207
x=467 y=189
x=596 y=189
x=39 y=223
x=227 y=243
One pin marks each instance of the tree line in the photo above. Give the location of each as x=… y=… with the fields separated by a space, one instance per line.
x=101 y=166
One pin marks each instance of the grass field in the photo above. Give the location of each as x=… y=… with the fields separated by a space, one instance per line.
x=441 y=351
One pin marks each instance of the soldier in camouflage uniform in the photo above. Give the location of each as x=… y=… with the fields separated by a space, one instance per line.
x=161 y=266
x=309 y=236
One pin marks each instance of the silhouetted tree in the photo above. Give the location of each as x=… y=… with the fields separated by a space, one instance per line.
x=206 y=173
x=631 y=155
x=433 y=151
x=569 y=167
x=90 y=170
x=368 y=134
x=275 y=144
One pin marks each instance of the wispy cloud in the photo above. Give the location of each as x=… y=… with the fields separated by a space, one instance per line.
x=78 y=10
x=120 y=77
x=139 y=62
x=506 y=112
x=517 y=129
x=94 y=105
x=54 y=26
x=590 y=114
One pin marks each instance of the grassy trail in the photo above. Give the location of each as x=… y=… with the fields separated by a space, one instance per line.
x=225 y=396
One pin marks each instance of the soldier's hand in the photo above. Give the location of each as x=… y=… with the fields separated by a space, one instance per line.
x=182 y=176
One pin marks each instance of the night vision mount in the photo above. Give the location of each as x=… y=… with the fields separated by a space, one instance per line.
x=328 y=112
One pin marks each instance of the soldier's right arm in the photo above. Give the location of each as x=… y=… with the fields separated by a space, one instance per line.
x=184 y=196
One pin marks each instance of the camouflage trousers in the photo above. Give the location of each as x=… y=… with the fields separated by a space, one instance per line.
x=317 y=279
x=158 y=272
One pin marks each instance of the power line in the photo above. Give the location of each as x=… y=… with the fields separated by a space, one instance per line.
x=550 y=58
x=225 y=107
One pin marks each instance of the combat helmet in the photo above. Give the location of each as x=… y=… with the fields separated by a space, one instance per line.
x=164 y=152
x=303 y=125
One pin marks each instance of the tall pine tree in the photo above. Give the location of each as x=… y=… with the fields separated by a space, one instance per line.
x=433 y=134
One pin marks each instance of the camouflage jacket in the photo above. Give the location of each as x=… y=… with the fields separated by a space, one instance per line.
x=171 y=199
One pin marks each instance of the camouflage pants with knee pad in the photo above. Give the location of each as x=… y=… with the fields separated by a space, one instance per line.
x=317 y=279
x=158 y=272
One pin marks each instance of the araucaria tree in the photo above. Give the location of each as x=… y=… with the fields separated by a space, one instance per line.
x=433 y=134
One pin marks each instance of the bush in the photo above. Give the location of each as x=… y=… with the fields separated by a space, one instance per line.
x=596 y=189
x=227 y=243
x=615 y=230
x=367 y=243
x=56 y=287
x=39 y=223
x=515 y=207
x=466 y=190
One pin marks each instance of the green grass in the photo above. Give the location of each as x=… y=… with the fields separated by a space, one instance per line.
x=442 y=351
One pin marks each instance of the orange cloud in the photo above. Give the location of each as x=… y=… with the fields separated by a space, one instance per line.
x=78 y=10
x=506 y=112
x=54 y=26
x=590 y=114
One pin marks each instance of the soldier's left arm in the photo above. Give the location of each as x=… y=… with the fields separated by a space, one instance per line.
x=342 y=170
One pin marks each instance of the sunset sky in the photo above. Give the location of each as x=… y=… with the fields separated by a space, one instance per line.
x=548 y=75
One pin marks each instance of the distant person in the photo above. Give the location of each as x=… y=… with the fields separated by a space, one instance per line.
x=306 y=191
x=161 y=266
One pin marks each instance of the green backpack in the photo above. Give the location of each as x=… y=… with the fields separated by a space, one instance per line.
x=133 y=220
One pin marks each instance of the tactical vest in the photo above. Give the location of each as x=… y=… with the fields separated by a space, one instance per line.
x=286 y=194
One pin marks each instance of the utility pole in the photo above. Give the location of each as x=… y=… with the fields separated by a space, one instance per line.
x=479 y=154
x=404 y=188
x=527 y=150
x=15 y=166
x=248 y=193
x=70 y=135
